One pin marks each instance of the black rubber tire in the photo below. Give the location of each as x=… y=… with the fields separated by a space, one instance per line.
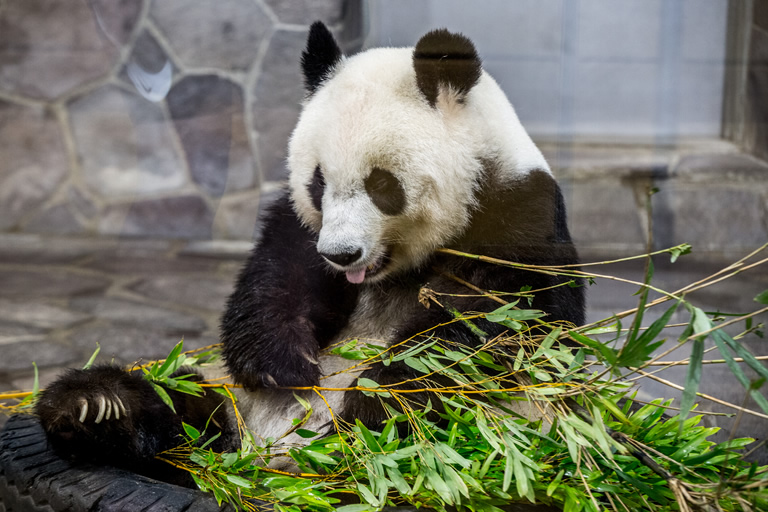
x=34 y=479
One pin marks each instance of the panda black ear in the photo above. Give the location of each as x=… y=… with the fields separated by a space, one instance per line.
x=448 y=60
x=320 y=57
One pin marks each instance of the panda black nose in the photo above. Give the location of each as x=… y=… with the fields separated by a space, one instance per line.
x=343 y=258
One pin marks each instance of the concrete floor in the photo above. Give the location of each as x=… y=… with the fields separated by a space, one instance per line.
x=136 y=298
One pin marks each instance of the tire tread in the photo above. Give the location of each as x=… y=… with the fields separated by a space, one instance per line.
x=34 y=479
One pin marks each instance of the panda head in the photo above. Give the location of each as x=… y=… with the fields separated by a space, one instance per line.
x=384 y=160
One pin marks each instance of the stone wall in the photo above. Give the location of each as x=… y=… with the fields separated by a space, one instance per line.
x=159 y=119
x=746 y=109
x=757 y=83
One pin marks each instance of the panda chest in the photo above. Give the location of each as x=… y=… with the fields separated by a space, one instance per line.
x=378 y=315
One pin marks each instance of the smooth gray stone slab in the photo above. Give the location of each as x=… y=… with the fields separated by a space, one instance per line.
x=34 y=161
x=226 y=37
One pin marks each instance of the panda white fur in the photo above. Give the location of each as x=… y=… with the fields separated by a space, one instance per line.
x=398 y=152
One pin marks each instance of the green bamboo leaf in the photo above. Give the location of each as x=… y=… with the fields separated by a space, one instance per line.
x=638 y=350
x=189 y=387
x=549 y=340
x=357 y=507
x=93 y=357
x=306 y=434
x=676 y=252
x=191 y=431
x=416 y=364
x=500 y=314
x=482 y=426
x=607 y=329
x=370 y=441
x=692 y=380
x=35 y=381
x=228 y=459
x=743 y=352
x=304 y=402
x=210 y=440
x=736 y=370
x=367 y=383
x=643 y=292
x=239 y=481
x=279 y=482
x=454 y=480
x=318 y=457
x=163 y=394
x=451 y=455
x=170 y=364
x=523 y=480
x=555 y=483
x=437 y=484
x=608 y=354
x=762 y=297
x=367 y=494
x=509 y=470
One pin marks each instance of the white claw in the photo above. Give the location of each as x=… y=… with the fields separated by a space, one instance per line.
x=116 y=409
x=102 y=408
x=271 y=380
x=122 y=407
x=109 y=410
x=83 y=409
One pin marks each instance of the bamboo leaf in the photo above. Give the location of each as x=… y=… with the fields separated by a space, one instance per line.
x=549 y=340
x=306 y=434
x=555 y=483
x=608 y=354
x=692 y=379
x=163 y=394
x=191 y=431
x=170 y=364
x=367 y=494
x=416 y=364
x=638 y=350
x=485 y=431
x=370 y=441
x=318 y=457
x=437 y=484
x=638 y=320
x=93 y=357
x=239 y=481
x=743 y=352
x=356 y=507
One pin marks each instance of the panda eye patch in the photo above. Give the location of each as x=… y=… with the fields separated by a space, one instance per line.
x=385 y=191
x=316 y=188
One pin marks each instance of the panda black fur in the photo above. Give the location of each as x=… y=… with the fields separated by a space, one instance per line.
x=398 y=152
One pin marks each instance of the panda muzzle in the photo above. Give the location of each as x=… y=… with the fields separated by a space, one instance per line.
x=357 y=274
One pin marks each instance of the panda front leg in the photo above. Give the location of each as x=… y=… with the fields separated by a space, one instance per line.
x=106 y=415
x=287 y=305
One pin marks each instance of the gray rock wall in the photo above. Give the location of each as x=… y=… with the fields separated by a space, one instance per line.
x=153 y=119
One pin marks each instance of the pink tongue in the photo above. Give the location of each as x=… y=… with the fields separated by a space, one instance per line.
x=356 y=277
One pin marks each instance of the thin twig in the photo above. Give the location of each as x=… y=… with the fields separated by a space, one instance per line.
x=703 y=395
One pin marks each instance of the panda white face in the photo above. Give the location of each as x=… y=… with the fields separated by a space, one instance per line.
x=385 y=160
x=381 y=175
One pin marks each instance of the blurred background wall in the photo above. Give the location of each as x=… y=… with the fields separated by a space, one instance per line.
x=152 y=119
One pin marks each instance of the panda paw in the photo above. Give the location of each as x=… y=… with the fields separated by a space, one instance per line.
x=92 y=414
x=297 y=369
x=106 y=404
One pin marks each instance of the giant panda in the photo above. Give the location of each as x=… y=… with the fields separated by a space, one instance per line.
x=397 y=152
